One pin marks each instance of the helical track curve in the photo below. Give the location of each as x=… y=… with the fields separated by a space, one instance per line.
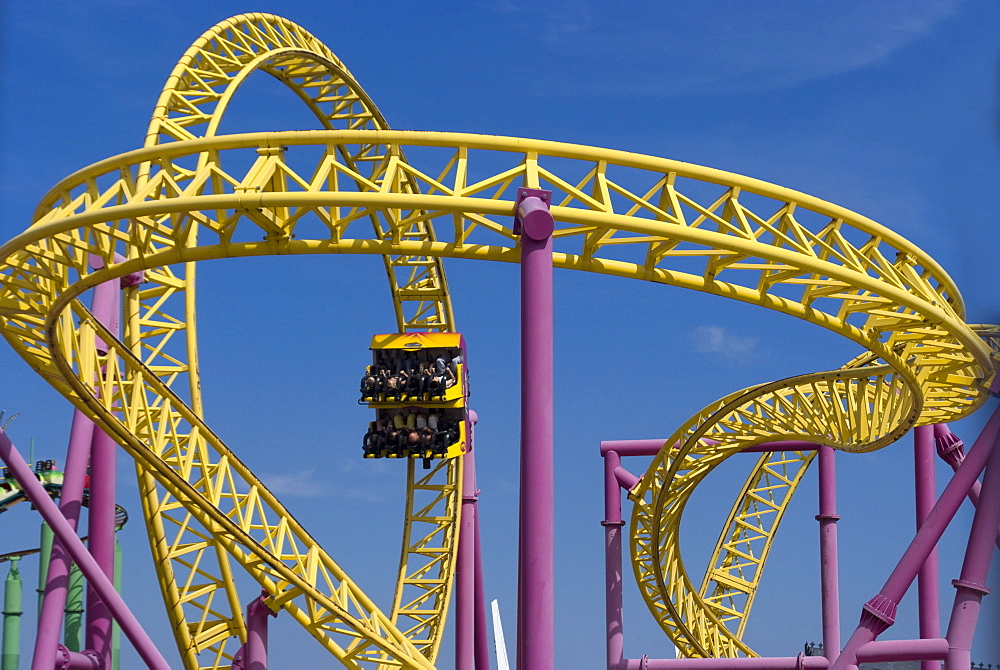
x=191 y=195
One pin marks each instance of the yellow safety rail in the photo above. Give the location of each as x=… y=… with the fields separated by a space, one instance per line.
x=617 y=213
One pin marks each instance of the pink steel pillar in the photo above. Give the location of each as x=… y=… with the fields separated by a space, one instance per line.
x=829 y=573
x=879 y=613
x=255 y=650
x=466 y=569
x=929 y=605
x=971 y=585
x=105 y=308
x=482 y=641
x=613 y=561
x=50 y=615
x=536 y=562
x=101 y=520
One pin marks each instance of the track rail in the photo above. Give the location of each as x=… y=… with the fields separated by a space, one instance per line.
x=617 y=213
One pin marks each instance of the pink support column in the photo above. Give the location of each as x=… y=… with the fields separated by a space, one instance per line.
x=105 y=308
x=879 y=613
x=481 y=644
x=101 y=527
x=255 y=650
x=971 y=585
x=482 y=641
x=88 y=566
x=465 y=570
x=57 y=579
x=829 y=572
x=536 y=563
x=613 y=561
x=101 y=519
x=924 y=481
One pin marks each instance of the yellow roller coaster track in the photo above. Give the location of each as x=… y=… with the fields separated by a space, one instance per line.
x=192 y=104
x=174 y=203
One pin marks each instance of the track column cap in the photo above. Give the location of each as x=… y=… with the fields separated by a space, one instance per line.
x=533 y=217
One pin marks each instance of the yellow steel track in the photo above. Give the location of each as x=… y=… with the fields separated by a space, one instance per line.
x=192 y=104
x=185 y=198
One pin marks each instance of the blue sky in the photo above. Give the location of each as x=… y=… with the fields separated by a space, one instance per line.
x=887 y=108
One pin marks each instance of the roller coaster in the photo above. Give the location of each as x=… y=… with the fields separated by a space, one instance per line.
x=140 y=222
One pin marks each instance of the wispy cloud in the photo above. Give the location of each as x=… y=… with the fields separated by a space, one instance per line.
x=309 y=483
x=302 y=484
x=680 y=51
x=717 y=340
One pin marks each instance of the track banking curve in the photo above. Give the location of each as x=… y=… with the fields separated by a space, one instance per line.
x=192 y=195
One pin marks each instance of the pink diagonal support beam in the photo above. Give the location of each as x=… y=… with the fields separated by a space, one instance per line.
x=536 y=550
x=88 y=566
x=879 y=613
x=50 y=616
x=952 y=451
x=971 y=584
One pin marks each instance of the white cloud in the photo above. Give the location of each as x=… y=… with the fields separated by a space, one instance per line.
x=676 y=50
x=717 y=340
x=308 y=484
x=303 y=484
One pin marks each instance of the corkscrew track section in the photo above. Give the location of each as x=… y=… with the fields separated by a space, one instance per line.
x=351 y=189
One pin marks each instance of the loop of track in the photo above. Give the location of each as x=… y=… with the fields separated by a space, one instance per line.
x=197 y=580
x=192 y=104
x=617 y=213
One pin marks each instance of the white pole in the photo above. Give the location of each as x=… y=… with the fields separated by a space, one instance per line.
x=498 y=641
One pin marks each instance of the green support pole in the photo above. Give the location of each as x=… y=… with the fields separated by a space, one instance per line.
x=44 y=556
x=74 y=609
x=11 y=651
x=116 y=631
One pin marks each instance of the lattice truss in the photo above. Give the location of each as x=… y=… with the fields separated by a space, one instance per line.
x=351 y=189
x=734 y=572
x=194 y=570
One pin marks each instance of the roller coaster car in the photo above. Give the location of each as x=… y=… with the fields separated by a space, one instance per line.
x=426 y=369
x=11 y=492
x=418 y=386
x=416 y=432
